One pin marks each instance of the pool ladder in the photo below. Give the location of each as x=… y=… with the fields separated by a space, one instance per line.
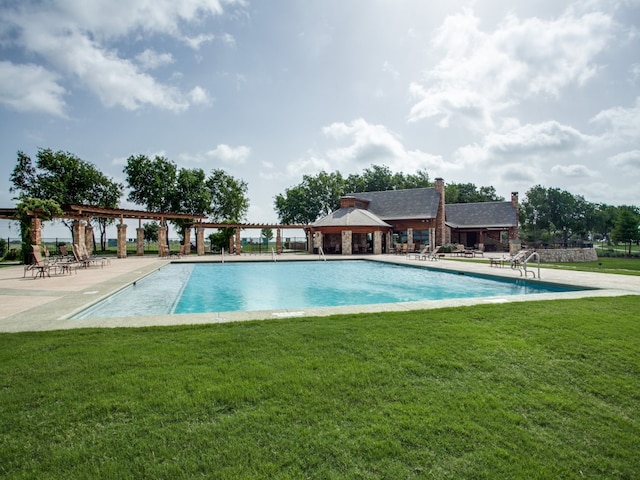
x=273 y=255
x=321 y=254
x=524 y=265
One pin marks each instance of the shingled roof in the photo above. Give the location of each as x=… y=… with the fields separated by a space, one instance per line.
x=481 y=215
x=418 y=203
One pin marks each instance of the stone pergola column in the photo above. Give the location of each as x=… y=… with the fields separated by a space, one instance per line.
x=377 y=242
x=139 y=241
x=122 y=240
x=187 y=240
x=238 y=241
x=162 y=239
x=36 y=231
x=310 y=239
x=410 y=238
x=278 y=241
x=88 y=237
x=347 y=237
x=200 y=240
x=78 y=232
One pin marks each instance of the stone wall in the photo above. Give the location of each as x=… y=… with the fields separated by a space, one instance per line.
x=568 y=255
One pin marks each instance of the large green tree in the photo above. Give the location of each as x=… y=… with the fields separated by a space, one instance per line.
x=159 y=185
x=627 y=227
x=63 y=178
x=470 y=193
x=46 y=209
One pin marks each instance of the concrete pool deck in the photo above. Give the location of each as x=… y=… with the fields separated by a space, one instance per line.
x=43 y=304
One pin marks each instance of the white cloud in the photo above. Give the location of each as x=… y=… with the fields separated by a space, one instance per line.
x=199 y=96
x=80 y=41
x=481 y=74
x=622 y=124
x=227 y=154
x=195 y=42
x=364 y=144
x=524 y=144
x=150 y=59
x=575 y=171
x=626 y=160
x=31 y=88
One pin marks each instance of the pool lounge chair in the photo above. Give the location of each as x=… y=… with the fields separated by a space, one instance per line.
x=39 y=267
x=433 y=255
x=421 y=253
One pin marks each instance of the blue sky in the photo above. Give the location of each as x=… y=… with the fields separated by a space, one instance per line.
x=503 y=93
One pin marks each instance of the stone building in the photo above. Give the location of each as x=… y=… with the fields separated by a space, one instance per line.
x=381 y=222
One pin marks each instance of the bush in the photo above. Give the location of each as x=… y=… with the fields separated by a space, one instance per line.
x=12 y=255
x=3 y=247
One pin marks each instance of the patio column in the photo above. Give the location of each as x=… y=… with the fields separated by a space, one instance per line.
x=162 y=239
x=278 y=242
x=389 y=239
x=187 y=240
x=410 y=239
x=122 y=240
x=238 y=241
x=78 y=232
x=310 y=238
x=200 y=240
x=88 y=237
x=377 y=242
x=36 y=231
x=139 y=241
x=347 y=236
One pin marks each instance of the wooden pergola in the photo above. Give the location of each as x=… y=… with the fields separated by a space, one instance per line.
x=82 y=232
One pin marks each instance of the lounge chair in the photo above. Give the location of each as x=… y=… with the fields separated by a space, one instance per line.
x=433 y=255
x=39 y=267
x=421 y=253
x=516 y=260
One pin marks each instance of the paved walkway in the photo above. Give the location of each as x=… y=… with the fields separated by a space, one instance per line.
x=38 y=304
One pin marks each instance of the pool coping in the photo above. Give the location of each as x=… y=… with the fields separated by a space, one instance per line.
x=49 y=303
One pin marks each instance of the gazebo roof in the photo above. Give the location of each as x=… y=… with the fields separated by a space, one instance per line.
x=351 y=217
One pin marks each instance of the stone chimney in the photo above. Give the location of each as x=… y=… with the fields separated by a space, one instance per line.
x=440 y=216
x=514 y=233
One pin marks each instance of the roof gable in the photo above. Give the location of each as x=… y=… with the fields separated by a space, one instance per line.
x=483 y=214
x=419 y=203
x=350 y=217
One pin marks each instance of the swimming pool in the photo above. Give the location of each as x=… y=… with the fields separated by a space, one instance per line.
x=251 y=286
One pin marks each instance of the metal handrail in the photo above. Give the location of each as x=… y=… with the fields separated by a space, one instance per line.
x=524 y=264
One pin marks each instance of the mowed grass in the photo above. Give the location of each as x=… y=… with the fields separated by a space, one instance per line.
x=618 y=265
x=524 y=390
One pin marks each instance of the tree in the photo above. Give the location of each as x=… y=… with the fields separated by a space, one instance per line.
x=150 y=231
x=25 y=209
x=63 y=178
x=627 y=227
x=160 y=186
x=152 y=183
x=267 y=234
x=469 y=193
x=229 y=201
x=191 y=196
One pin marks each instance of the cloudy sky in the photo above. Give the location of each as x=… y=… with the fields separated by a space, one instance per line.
x=503 y=93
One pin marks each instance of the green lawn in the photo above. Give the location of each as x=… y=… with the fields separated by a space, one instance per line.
x=623 y=266
x=524 y=390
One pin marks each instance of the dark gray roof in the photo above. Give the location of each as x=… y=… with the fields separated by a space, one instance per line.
x=350 y=217
x=484 y=214
x=402 y=204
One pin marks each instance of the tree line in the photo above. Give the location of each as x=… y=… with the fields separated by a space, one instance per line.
x=56 y=178
x=318 y=195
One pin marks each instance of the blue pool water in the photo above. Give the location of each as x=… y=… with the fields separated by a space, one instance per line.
x=198 y=288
